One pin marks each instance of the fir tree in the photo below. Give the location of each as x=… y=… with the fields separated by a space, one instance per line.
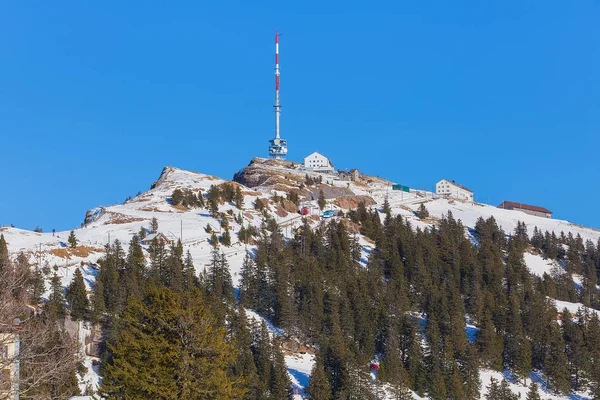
x=72 y=240
x=556 y=363
x=280 y=385
x=386 y=209
x=318 y=387
x=238 y=198
x=423 y=212
x=533 y=393
x=226 y=238
x=177 y=197
x=169 y=347
x=154 y=225
x=37 y=286
x=56 y=300
x=3 y=253
x=77 y=297
x=321 y=200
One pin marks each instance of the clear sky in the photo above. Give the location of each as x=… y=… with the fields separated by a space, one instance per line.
x=96 y=97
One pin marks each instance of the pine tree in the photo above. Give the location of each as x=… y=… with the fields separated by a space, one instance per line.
x=318 y=387
x=280 y=385
x=470 y=371
x=533 y=393
x=244 y=364
x=142 y=233
x=135 y=270
x=505 y=393
x=56 y=300
x=226 y=238
x=557 y=363
x=37 y=286
x=321 y=200
x=72 y=240
x=98 y=305
x=423 y=212
x=214 y=240
x=154 y=225
x=238 y=198
x=77 y=297
x=177 y=197
x=386 y=209
x=190 y=280
x=4 y=260
x=169 y=347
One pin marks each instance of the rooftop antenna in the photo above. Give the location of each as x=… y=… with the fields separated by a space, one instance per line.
x=278 y=147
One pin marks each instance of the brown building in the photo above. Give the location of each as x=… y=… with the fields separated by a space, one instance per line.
x=526 y=208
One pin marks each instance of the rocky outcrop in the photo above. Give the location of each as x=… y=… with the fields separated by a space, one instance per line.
x=93 y=215
x=276 y=174
x=352 y=202
x=163 y=176
x=330 y=192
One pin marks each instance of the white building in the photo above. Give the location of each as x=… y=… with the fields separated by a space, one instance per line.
x=318 y=162
x=448 y=188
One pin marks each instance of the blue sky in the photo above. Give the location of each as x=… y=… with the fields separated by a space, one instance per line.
x=95 y=98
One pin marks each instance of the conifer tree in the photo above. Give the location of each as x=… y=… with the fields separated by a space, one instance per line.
x=3 y=253
x=321 y=200
x=226 y=238
x=169 y=347
x=190 y=280
x=37 y=286
x=533 y=393
x=98 y=305
x=505 y=393
x=556 y=363
x=154 y=225
x=423 y=212
x=135 y=269
x=77 y=297
x=56 y=299
x=238 y=198
x=386 y=209
x=318 y=387
x=177 y=197
x=493 y=390
x=142 y=233
x=72 y=240
x=214 y=240
x=470 y=371
x=280 y=385
x=244 y=364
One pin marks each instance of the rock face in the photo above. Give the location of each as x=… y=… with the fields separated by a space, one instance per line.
x=352 y=202
x=93 y=215
x=329 y=192
x=274 y=174
x=163 y=176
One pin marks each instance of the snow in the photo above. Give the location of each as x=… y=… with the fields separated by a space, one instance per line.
x=299 y=368
x=537 y=265
x=521 y=390
x=571 y=307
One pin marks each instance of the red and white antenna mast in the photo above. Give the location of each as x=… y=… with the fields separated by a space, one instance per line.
x=277 y=105
x=278 y=147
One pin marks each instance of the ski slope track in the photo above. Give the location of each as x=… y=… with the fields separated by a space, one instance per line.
x=122 y=221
